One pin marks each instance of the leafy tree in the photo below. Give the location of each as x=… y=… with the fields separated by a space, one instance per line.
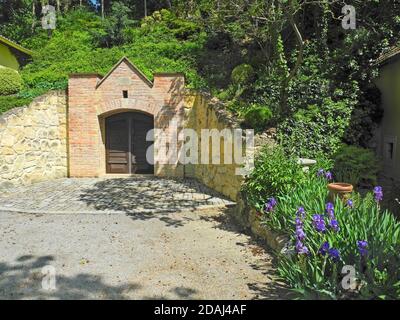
x=115 y=25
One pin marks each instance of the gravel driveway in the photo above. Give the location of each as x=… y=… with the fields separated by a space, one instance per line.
x=197 y=254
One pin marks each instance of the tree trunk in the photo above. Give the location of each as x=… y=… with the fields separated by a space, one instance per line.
x=66 y=6
x=102 y=9
x=33 y=15
x=284 y=94
x=145 y=8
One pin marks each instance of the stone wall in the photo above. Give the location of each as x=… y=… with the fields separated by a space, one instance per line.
x=33 y=141
x=249 y=219
x=203 y=112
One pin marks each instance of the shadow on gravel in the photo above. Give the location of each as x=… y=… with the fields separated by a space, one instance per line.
x=149 y=197
x=23 y=280
x=271 y=289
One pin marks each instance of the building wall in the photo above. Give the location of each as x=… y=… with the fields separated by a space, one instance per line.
x=7 y=59
x=92 y=100
x=33 y=141
x=388 y=136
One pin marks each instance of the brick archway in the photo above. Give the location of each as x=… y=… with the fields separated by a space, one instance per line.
x=93 y=98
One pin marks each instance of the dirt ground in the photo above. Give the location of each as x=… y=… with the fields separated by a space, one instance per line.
x=192 y=255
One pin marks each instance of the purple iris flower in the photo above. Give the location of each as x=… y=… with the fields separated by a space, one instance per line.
x=334 y=225
x=320 y=173
x=350 y=204
x=334 y=254
x=300 y=234
x=301 y=248
x=329 y=176
x=273 y=202
x=319 y=223
x=378 y=194
x=270 y=205
x=324 y=248
x=362 y=247
x=301 y=213
x=268 y=208
x=330 y=210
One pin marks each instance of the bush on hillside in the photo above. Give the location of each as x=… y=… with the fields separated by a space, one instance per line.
x=10 y=102
x=258 y=117
x=10 y=81
x=242 y=74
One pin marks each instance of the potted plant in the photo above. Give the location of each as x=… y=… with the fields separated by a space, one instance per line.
x=340 y=189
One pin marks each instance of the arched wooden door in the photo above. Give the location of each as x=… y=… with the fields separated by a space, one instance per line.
x=126 y=144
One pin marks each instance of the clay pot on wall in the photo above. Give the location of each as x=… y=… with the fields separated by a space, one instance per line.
x=341 y=190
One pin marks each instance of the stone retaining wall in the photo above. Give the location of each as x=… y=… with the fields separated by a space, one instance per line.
x=33 y=141
x=248 y=218
x=202 y=112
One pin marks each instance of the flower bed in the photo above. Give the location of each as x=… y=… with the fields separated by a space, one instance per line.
x=340 y=249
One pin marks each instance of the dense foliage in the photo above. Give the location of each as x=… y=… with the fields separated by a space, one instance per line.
x=257 y=117
x=10 y=81
x=329 y=239
x=356 y=165
x=274 y=173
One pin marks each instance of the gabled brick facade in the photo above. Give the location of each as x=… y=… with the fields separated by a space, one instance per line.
x=92 y=98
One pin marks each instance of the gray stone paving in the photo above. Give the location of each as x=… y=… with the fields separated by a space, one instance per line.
x=135 y=195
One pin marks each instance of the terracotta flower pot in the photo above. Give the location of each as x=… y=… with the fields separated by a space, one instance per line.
x=342 y=190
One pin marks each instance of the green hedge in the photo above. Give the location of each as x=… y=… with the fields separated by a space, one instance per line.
x=10 y=81
x=9 y=102
x=258 y=117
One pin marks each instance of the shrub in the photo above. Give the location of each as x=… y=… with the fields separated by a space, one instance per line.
x=10 y=81
x=274 y=174
x=356 y=165
x=242 y=74
x=257 y=117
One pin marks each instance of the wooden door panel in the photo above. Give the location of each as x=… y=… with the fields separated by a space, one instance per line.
x=126 y=144
x=117 y=145
x=141 y=125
